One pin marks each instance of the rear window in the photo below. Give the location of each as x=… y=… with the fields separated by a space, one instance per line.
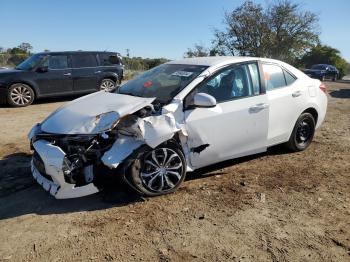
x=274 y=77
x=289 y=78
x=84 y=60
x=109 y=59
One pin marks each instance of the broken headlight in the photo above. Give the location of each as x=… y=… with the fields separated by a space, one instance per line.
x=105 y=121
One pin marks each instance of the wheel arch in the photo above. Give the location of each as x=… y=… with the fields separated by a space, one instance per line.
x=110 y=75
x=310 y=108
x=313 y=112
x=31 y=85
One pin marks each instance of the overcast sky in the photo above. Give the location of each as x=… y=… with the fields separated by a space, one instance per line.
x=149 y=28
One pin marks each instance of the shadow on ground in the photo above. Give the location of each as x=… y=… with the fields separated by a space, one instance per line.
x=341 y=93
x=49 y=100
x=21 y=195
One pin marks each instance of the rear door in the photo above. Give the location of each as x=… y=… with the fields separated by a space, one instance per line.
x=84 y=72
x=286 y=96
x=237 y=125
x=110 y=65
x=58 y=78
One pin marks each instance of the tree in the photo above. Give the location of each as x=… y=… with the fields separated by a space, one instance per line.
x=26 y=47
x=19 y=53
x=153 y=62
x=323 y=54
x=141 y=64
x=197 y=51
x=280 y=31
x=200 y=51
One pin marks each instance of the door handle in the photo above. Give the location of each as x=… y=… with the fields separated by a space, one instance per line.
x=67 y=74
x=97 y=72
x=258 y=107
x=296 y=93
x=262 y=105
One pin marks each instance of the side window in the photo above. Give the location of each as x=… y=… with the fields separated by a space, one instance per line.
x=108 y=59
x=231 y=83
x=274 y=77
x=56 y=62
x=289 y=78
x=83 y=60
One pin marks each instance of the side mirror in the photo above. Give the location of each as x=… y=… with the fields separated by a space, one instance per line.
x=203 y=100
x=42 y=69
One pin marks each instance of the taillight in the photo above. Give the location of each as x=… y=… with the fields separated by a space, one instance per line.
x=323 y=88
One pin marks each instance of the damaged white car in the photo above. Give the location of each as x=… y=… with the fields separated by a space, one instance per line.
x=175 y=118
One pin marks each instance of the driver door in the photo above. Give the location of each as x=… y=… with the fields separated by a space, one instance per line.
x=58 y=78
x=237 y=125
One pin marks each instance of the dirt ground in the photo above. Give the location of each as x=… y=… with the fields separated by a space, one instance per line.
x=276 y=206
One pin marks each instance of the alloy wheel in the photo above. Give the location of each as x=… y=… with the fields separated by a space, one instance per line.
x=20 y=95
x=107 y=85
x=162 y=170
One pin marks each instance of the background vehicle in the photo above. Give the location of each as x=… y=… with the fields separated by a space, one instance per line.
x=51 y=74
x=322 y=72
x=174 y=118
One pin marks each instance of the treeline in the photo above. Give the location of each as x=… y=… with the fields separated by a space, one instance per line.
x=142 y=64
x=280 y=30
x=13 y=56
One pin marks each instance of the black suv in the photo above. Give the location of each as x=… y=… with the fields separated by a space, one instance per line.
x=51 y=74
x=322 y=72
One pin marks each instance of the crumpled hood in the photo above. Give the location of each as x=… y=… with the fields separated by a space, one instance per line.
x=93 y=113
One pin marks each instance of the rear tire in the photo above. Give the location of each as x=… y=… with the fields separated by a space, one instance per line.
x=303 y=133
x=335 y=77
x=158 y=171
x=107 y=85
x=20 y=95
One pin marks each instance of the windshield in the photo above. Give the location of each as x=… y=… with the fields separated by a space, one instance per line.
x=319 y=67
x=163 y=82
x=30 y=62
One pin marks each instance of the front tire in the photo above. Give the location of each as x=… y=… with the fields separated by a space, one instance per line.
x=20 y=95
x=158 y=171
x=303 y=133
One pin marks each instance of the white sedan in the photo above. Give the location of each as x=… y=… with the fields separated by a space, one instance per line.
x=172 y=119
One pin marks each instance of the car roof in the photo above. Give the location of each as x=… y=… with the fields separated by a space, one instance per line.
x=212 y=60
x=216 y=62
x=220 y=60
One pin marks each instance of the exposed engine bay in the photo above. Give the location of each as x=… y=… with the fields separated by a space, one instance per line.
x=84 y=152
x=88 y=158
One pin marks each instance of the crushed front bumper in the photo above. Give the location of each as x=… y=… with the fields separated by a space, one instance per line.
x=53 y=179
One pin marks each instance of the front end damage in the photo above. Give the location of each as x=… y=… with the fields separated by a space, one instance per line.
x=52 y=169
x=78 y=163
